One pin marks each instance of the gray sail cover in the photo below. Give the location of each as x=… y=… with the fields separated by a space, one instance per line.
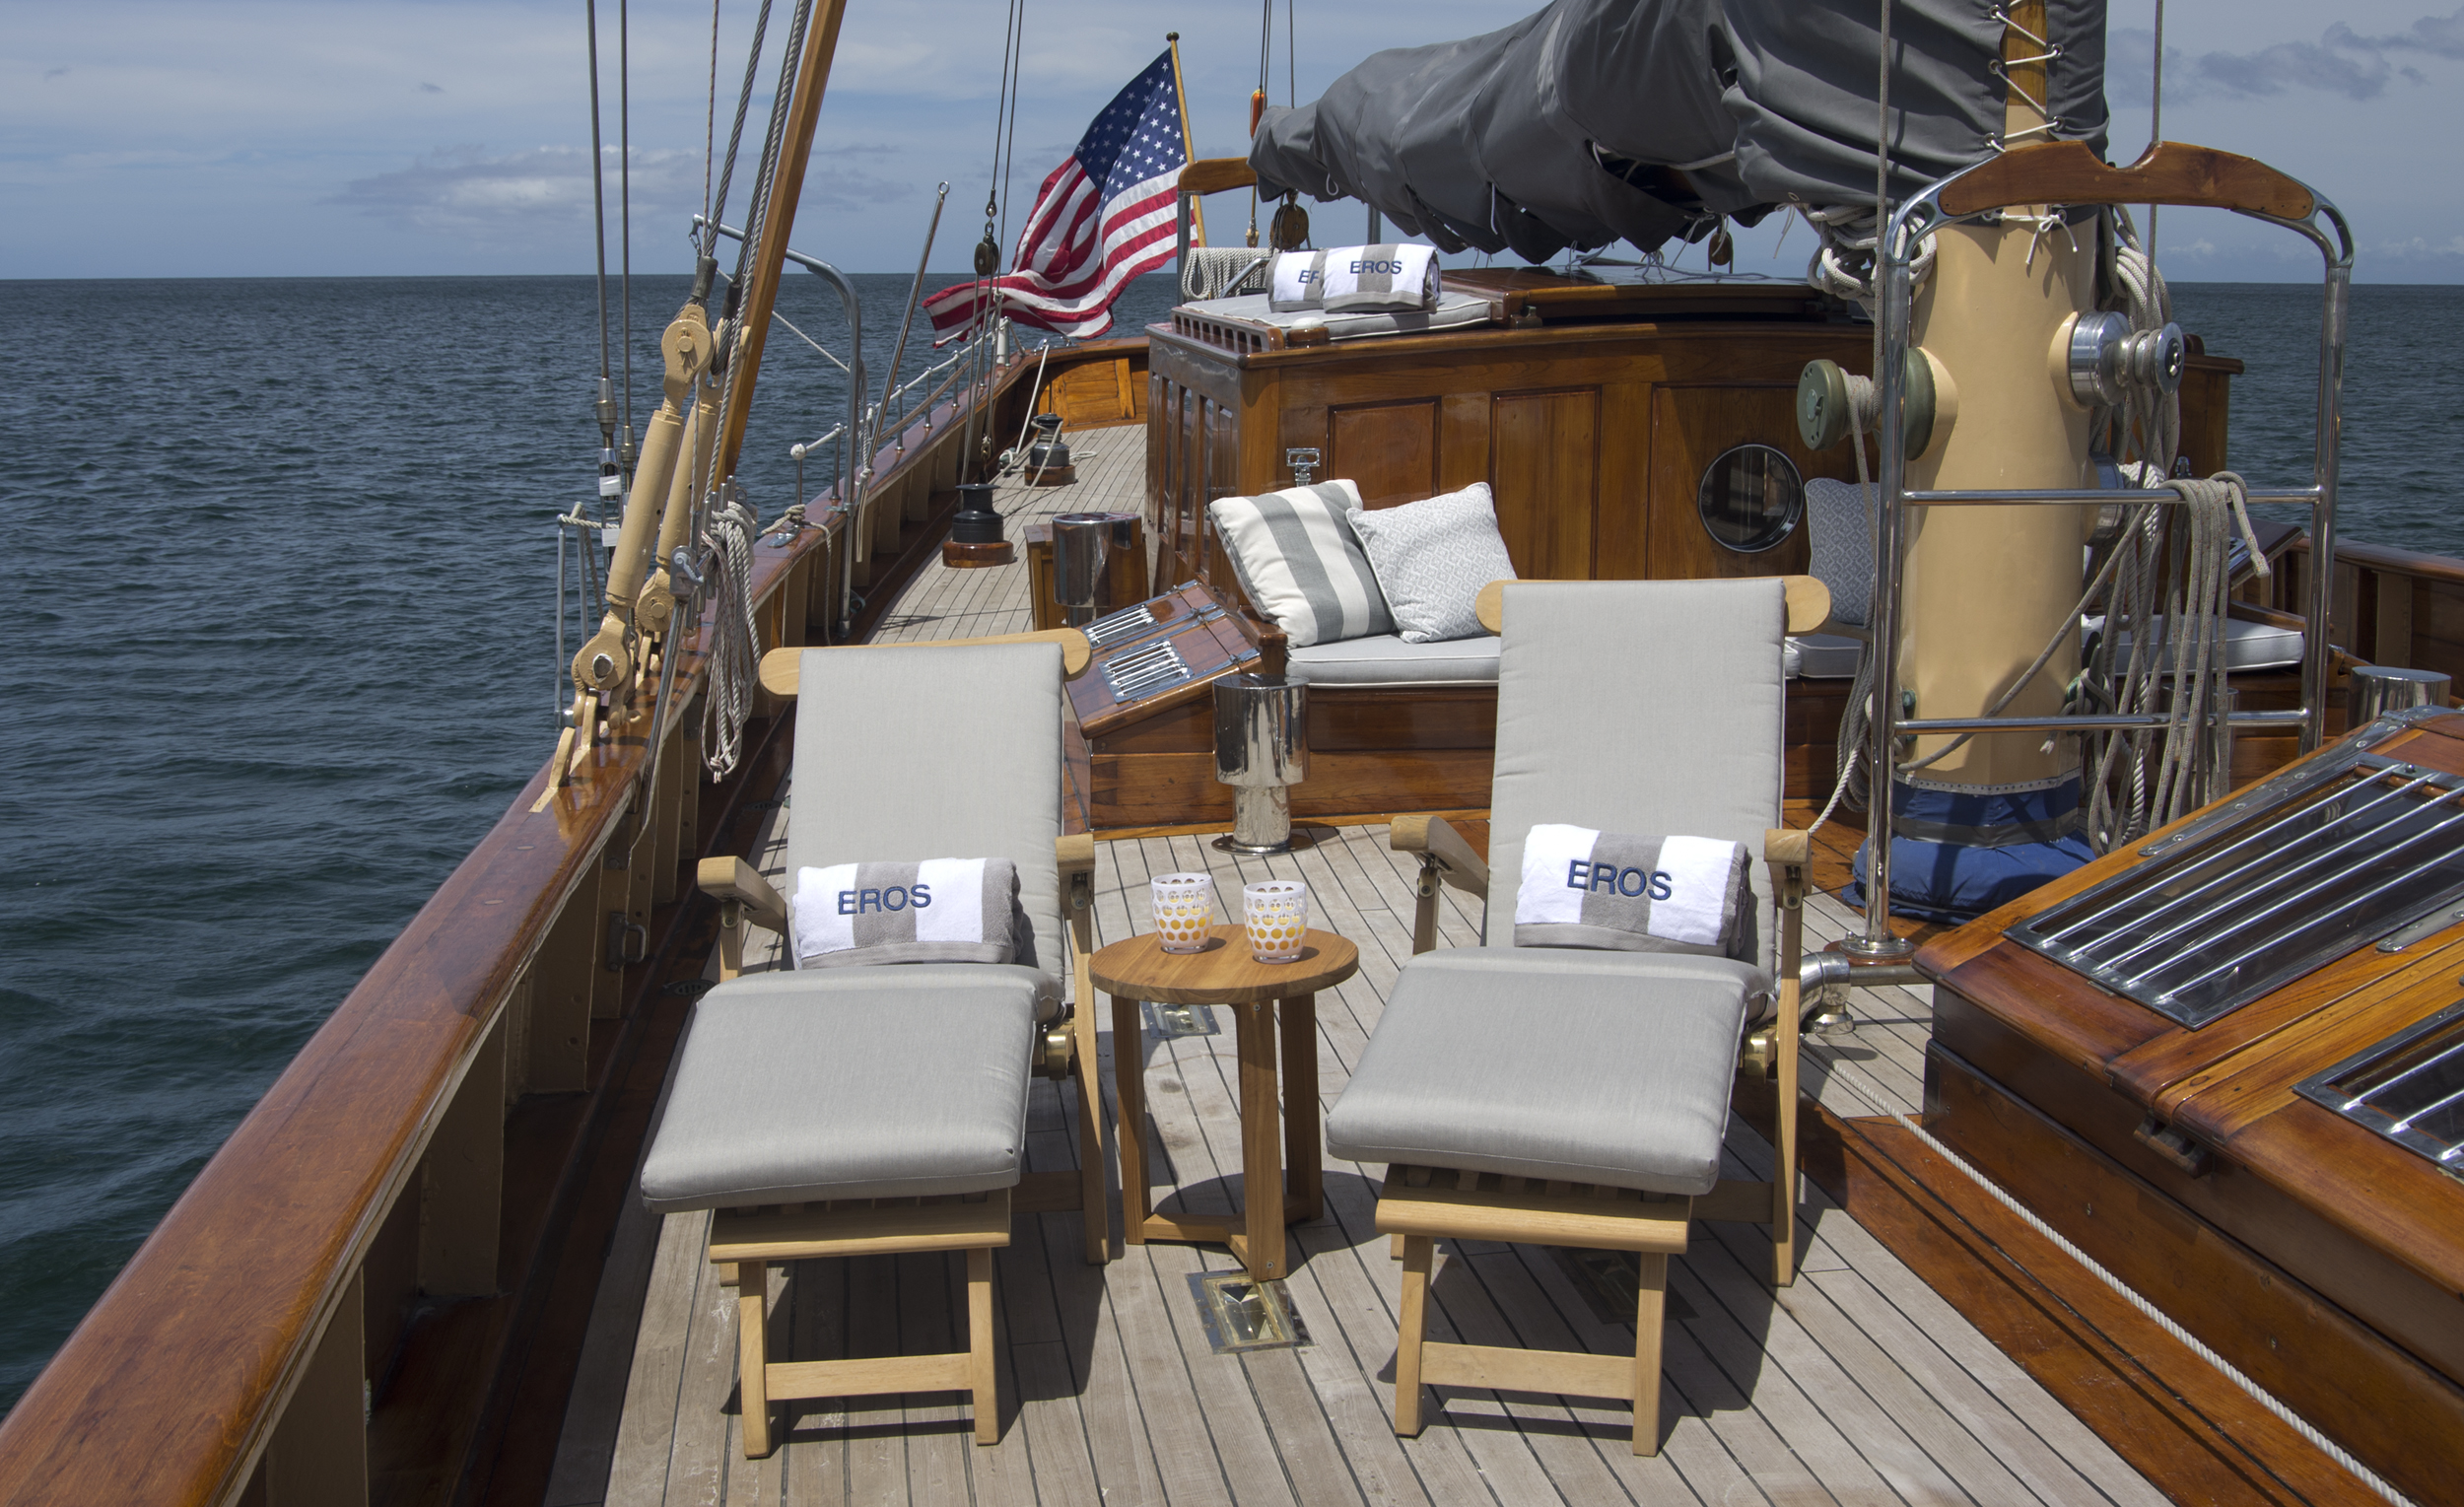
x=1597 y=120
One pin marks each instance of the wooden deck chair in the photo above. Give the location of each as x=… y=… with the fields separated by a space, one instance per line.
x=851 y=1111
x=1574 y=1097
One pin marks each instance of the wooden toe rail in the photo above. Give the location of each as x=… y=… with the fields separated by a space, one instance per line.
x=2168 y=173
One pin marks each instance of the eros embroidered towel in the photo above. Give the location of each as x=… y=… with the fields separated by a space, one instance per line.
x=1584 y=888
x=938 y=911
x=1357 y=280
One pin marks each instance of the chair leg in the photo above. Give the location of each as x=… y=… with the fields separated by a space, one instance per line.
x=1094 y=1203
x=1649 y=1305
x=1784 y=1159
x=1395 y=1247
x=983 y=1379
x=1410 y=1332
x=753 y=1355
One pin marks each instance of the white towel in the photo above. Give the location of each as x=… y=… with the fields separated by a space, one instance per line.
x=938 y=911
x=1357 y=279
x=1583 y=888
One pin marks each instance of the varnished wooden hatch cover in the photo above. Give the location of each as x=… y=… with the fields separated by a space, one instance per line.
x=2318 y=1255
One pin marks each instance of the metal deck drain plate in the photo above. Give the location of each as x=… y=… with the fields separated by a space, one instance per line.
x=2340 y=855
x=2409 y=1088
x=1607 y=1281
x=1243 y=1315
x=1166 y=1021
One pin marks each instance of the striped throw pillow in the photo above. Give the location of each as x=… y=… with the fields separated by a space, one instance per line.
x=1301 y=563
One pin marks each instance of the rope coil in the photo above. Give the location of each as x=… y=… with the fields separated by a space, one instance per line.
x=734 y=649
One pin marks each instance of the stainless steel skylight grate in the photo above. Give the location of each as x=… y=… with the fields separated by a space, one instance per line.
x=1144 y=672
x=2339 y=855
x=2409 y=1088
x=1120 y=627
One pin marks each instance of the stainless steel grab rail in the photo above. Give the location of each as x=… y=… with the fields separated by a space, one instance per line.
x=1895 y=257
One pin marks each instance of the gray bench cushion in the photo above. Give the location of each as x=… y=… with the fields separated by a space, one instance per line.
x=1385 y=660
x=849 y=1083
x=1594 y=1067
x=1452 y=309
x=1823 y=656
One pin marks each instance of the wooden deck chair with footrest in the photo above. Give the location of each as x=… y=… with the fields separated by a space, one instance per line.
x=864 y=1109
x=1568 y=1095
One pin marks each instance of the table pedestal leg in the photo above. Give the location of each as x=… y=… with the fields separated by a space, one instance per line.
x=1301 y=1152
x=1129 y=1070
x=1261 y=1160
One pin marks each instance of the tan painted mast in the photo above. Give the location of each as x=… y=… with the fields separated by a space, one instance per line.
x=1985 y=587
x=1189 y=140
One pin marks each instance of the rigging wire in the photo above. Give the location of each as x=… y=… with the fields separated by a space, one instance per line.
x=624 y=210
x=736 y=133
x=2155 y=112
x=598 y=183
x=710 y=115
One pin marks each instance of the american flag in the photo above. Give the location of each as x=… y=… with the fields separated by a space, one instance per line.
x=1103 y=217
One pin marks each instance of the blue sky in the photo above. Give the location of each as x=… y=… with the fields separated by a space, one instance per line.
x=145 y=138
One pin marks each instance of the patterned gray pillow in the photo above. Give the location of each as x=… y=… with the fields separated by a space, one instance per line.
x=1839 y=524
x=1433 y=557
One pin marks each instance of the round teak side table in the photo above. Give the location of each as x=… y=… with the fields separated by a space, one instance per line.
x=1226 y=975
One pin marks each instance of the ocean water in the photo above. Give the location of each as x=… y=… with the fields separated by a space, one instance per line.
x=284 y=651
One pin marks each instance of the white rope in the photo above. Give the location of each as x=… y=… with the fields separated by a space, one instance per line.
x=1880 y=1099
x=1842 y=264
x=733 y=651
x=1215 y=272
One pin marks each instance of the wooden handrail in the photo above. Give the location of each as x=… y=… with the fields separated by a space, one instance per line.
x=2168 y=173
x=1215 y=174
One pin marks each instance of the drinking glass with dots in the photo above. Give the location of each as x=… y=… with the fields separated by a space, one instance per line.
x=1184 y=907
x=1276 y=913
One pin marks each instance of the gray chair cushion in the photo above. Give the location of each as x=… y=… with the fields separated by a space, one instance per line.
x=1638 y=706
x=1594 y=1067
x=1386 y=659
x=970 y=766
x=850 y=1083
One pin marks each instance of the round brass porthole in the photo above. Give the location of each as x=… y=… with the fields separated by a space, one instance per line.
x=1750 y=498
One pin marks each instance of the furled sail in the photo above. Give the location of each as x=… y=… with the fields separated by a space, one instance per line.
x=1596 y=120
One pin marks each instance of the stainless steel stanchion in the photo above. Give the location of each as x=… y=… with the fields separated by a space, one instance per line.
x=1081 y=547
x=2378 y=689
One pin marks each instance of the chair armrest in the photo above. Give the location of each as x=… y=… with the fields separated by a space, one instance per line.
x=1434 y=839
x=1075 y=855
x=731 y=878
x=782 y=670
x=1809 y=603
x=1787 y=850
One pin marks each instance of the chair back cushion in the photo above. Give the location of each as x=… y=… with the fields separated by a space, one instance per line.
x=1638 y=706
x=909 y=754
